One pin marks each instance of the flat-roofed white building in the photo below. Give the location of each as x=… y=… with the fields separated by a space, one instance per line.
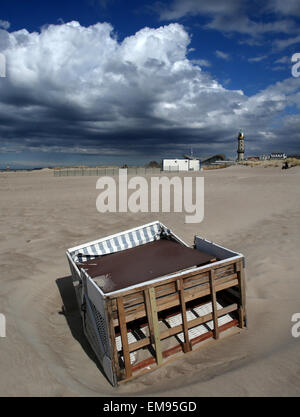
x=181 y=164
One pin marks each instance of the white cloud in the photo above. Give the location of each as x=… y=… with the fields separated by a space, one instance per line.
x=244 y=25
x=280 y=44
x=222 y=55
x=283 y=60
x=278 y=68
x=180 y=8
x=257 y=58
x=4 y=24
x=77 y=89
x=286 y=7
x=231 y=15
x=201 y=62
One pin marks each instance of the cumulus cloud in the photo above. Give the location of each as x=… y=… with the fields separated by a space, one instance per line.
x=74 y=89
x=4 y=24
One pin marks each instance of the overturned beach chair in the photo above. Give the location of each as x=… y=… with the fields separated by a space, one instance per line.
x=146 y=297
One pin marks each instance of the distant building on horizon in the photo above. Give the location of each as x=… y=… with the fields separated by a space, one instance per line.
x=264 y=157
x=190 y=163
x=272 y=156
x=181 y=165
x=278 y=155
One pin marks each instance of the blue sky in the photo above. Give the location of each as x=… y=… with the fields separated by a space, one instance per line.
x=110 y=82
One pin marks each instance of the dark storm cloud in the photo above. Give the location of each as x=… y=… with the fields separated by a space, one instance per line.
x=77 y=90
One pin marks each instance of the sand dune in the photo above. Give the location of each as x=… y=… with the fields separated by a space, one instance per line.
x=255 y=211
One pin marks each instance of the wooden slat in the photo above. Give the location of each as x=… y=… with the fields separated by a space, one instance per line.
x=214 y=303
x=178 y=329
x=164 y=289
x=133 y=299
x=241 y=280
x=174 y=350
x=192 y=280
x=187 y=345
x=195 y=280
x=198 y=321
x=224 y=269
x=156 y=334
x=243 y=292
x=195 y=292
x=140 y=344
x=171 y=279
x=124 y=338
x=149 y=316
x=173 y=299
x=112 y=336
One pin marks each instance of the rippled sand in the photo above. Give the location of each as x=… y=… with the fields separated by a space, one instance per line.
x=255 y=211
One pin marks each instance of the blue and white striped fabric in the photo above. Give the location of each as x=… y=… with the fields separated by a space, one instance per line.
x=118 y=243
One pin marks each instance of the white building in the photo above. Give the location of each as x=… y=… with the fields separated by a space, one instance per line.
x=181 y=164
x=278 y=155
x=273 y=155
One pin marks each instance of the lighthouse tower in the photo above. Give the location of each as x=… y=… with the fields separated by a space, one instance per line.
x=241 y=147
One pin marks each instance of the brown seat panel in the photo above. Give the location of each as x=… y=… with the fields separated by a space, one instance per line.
x=143 y=263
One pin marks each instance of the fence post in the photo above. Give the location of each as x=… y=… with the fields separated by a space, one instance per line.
x=2 y=325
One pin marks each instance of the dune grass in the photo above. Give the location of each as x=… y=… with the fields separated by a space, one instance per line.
x=272 y=163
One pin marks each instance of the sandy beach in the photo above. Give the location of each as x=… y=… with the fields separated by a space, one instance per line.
x=253 y=210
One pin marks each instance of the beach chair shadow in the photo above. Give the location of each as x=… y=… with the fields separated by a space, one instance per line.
x=71 y=312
